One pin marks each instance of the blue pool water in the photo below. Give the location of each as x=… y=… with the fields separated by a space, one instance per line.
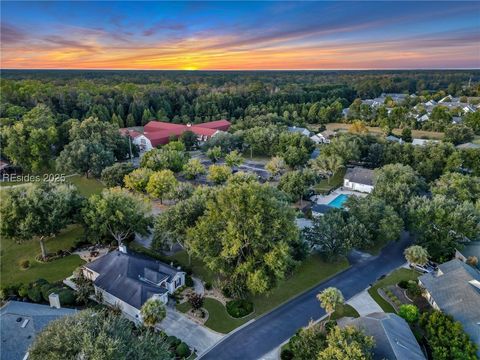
x=338 y=201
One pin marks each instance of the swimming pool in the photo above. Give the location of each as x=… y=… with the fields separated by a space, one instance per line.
x=338 y=201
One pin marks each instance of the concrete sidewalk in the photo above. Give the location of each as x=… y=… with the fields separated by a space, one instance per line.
x=196 y=336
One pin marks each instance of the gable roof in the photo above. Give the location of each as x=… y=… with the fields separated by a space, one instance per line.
x=299 y=130
x=360 y=175
x=159 y=132
x=393 y=337
x=19 y=324
x=131 y=277
x=468 y=145
x=453 y=278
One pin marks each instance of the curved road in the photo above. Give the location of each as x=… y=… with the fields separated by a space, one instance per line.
x=270 y=330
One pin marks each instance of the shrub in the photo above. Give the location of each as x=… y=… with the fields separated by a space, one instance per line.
x=23 y=291
x=188 y=281
x=239 y=308
x=47 y=289
x=195 y=300
x=67 y=297
x=409 y=313
x=403 y=284
x=173 y=341
x=24 y=264
x=413 y=289
x=182 y=350
x=286 y=354
x=208 y=285
x=34 y=294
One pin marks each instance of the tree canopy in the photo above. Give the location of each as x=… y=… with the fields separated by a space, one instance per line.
x=246 y=235
x=89 y=334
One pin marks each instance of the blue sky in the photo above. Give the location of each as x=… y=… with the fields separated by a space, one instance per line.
x=240 y=35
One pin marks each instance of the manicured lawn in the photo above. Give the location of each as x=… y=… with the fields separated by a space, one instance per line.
x=392 y=279
x=86 y=187
x=336 y=181
x=344 y=310
x=311 y=272
x=12 y=253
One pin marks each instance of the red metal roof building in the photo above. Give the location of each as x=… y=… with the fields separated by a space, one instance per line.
x=160 y=133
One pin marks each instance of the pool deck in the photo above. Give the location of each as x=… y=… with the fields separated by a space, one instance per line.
x=326 y=199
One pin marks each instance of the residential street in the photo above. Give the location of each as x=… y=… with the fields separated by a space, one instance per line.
x=269 y=331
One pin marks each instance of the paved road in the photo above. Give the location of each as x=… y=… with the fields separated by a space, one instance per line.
x=269 y=331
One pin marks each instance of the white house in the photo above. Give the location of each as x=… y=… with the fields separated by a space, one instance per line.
x=423 y=142
x=326 y=136
x=359 y=179
x=128 y=280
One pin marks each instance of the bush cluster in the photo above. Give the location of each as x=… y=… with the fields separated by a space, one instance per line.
x=239 y=308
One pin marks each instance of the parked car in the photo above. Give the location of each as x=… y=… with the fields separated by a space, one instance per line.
x=426 y=269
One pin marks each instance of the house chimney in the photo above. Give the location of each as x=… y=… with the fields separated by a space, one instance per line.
x=54 y=300
x=122 y=248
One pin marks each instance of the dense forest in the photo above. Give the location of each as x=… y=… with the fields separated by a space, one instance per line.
x=132 y=98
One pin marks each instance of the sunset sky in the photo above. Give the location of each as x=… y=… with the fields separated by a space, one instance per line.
x=240 y=35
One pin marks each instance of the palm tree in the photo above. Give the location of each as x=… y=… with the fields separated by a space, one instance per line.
x=152 y=312
x=329 y=299
x=328 y=165
x=416 y=254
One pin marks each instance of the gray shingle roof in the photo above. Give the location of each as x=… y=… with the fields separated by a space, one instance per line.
x=131 y=277
x=393 y=337
x=359 y=175
x=17 y=339
x=453 y=291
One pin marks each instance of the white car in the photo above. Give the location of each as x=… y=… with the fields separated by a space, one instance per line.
x=426 y=269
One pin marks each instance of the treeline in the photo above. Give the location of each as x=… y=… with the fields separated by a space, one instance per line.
x=132 y=98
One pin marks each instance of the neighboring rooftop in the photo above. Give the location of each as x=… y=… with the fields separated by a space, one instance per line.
x=468 y=145
x=360 y=175
x=20 y=322
x=131 y=277
x=423 y=142
x=393 y=337
x=300 y=130
x=452 y=279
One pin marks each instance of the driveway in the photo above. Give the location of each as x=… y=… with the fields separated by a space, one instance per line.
x=196 y=336
x=267 y=332
x=364 y=303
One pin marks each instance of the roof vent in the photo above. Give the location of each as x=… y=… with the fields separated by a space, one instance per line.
x=19 y=319
x=475 y=283
x=25 y=322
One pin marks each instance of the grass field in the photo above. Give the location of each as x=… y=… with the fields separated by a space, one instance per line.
x=377 y=130
x=311 y=272
x=12 y=253
x=86 y=187
x=392 y=279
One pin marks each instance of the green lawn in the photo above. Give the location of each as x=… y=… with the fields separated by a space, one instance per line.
x=12 y=253
x=336 y=181
x=311 y=272
x=392 y=279
x=344 y=310
x=218 y=320
x=86 y=186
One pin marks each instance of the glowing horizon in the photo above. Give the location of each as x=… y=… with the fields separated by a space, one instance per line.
x=240 y=35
